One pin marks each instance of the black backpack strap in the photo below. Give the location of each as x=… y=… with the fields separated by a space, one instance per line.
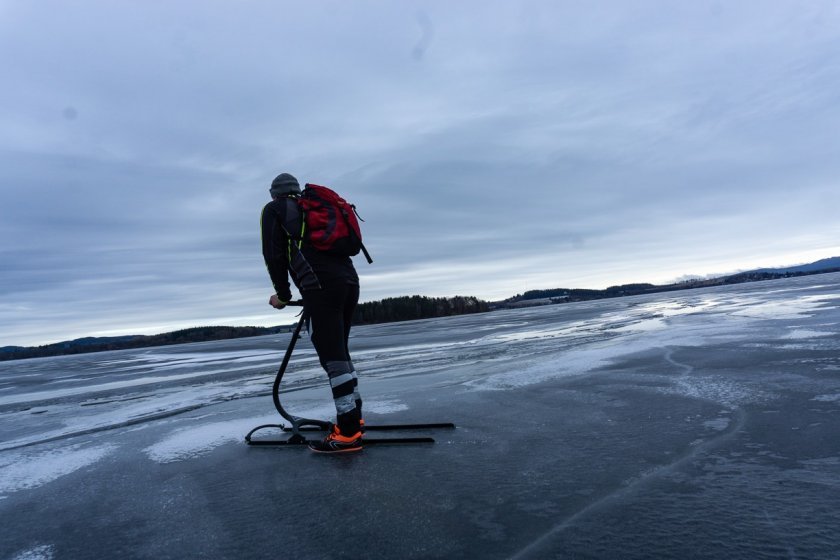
x=294 y=223
x=362 y=245
x=365 y=251
x=353 y=232
x=297 y=262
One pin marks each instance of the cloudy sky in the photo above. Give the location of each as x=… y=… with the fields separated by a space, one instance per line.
x=492 y=147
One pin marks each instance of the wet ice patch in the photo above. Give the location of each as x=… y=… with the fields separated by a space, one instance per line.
x=540 y=332
x=384 y=407
x=793 y=308
x=42 y=552
x=716 y=389
x=595 y=355
x=197 y=441
x=645 y=325
x=522 y=376
x=53 y=394
x=800 y=334
x=191 y=442
x=157 y=360
x=24 y=471
x=718 y=424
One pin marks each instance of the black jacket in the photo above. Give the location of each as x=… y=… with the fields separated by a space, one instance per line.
x=309 y=268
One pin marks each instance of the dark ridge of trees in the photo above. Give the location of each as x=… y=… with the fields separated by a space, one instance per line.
x=759 y=275
x=387 y=310
x=564 y=295
x=403 y=309
x=540 y=294
x=581 y=294
x=101 y=344
x=406 y=308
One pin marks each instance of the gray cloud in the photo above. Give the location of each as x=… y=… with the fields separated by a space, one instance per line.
x=491 y=147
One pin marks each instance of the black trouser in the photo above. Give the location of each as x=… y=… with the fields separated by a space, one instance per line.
x=331 y=312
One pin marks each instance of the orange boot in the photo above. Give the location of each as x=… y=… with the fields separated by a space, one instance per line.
x=335 y=442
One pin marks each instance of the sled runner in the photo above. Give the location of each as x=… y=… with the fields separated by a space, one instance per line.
x=298 y=426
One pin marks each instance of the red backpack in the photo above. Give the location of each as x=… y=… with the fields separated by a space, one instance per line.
x=331 y=223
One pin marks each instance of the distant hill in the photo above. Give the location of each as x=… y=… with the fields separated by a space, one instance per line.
x=824 y=265
x=408 y=308
x=387 y=310
x=103 y=343
x=562 y=295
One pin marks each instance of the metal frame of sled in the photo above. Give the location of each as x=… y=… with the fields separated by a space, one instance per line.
x=299 y=425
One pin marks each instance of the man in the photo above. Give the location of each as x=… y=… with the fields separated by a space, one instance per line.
x=329 y=287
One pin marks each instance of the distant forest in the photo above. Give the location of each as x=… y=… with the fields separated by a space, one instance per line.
x=416 y=307
x=101 y=344
x=410 y=307
x=564 y=295
x=384 y=311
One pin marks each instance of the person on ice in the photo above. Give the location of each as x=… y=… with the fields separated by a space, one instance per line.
x=329 y=286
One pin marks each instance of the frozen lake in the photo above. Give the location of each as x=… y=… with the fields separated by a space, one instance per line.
x=694 y=424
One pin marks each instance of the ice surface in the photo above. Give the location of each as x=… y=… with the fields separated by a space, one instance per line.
x=22 y=471
x=800 y=334
x=188 y=443
x=702 y=423
x=41 y=552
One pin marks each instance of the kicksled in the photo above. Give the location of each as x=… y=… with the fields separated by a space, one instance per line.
x=296 y=432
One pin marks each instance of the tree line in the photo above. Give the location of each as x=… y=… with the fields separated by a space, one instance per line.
x=102 y=344
x=406 y=308
x=387 y=310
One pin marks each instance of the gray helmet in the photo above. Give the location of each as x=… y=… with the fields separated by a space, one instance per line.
x=284 y=184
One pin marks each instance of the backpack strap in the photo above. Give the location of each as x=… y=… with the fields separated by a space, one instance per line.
x=297 y=262
x=353 y=232
x=365 y=251
x=292 y=206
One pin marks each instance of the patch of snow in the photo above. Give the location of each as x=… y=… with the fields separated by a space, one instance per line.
x=717 y=389
x=799 y=334
x=41 y=552
x=27 y=470
x=803 y=306
x=590 y=357
x=187 y=443
x=646 y=325
x=384 y=407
